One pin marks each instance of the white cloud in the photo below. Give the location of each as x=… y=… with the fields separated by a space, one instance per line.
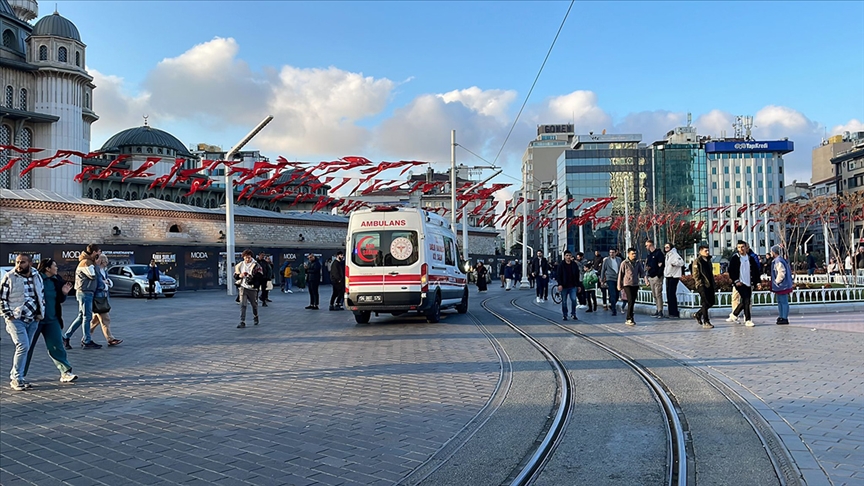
x=853 y=125
x=493 y=102
x=581 y=108
x=117 y=110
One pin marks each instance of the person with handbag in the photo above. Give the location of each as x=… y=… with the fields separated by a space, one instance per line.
x=152 y=280
x=85 y=285
x=249 y=277
x=102 y=303
x=55 y=290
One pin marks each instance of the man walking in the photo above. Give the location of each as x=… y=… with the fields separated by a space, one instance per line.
x=630 y=274
x=540 y=272
x=654 y=269
x=267 y=271
x=782 y=283
x=568 y=279
x=609 y=277
x=673 y=269
x=313 y=278
x=22 y=302
x=744 y=273
x=337 y=278
x=580 y=288
x=249 y=277
x=703 y=275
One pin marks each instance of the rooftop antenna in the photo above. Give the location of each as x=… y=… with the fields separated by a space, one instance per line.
x=748 y=125
x=689 y=118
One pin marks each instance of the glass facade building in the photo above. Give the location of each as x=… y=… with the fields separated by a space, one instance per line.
x=602 y=166
x=681 y=169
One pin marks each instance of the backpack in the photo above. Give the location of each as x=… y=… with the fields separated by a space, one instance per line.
x=287 y=272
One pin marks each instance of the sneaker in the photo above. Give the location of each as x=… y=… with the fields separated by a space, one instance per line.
x=289 y=291
x=241 y=325
x=309 y=307
x=732 y=318
x=630 y=322
x=614 y=313
x=264 y=304
x=698 y=318
x=66 y=344
x=783 y=322
x=574 y=317
x=26 y=384
x=707 y=325
x=91 y=345
x=255 y=321
x=749 y=323
x=536 y=300
x=18 y=386
x=68 y=377
x=114 y=342
x=659 y=315
x=565 y=318
x=332 y=307
x=589 y=310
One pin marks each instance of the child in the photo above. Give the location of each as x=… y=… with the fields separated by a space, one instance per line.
x=589 y=281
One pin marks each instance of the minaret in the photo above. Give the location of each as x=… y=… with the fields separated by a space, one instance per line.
x=26 y=10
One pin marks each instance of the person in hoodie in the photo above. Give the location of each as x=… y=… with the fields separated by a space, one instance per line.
x=672 y=272
x=509 y=274
x=631 y=272
x=782 y=283
x=85 y=286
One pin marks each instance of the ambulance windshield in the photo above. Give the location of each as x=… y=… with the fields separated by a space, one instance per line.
x=384 y=248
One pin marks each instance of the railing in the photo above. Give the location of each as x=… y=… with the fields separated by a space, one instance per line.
x=857 y=280
x=765 y=298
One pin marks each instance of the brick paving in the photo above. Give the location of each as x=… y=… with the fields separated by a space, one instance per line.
x=305 y=398
x=805 y=379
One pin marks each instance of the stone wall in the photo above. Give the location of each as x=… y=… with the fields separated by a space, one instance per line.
x=65 y=223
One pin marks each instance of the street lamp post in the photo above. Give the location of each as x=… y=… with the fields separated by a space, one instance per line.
x=525 y=283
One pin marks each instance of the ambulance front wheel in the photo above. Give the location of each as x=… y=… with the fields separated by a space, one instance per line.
x=462 y=308
x=362 y=317
x=433 y=315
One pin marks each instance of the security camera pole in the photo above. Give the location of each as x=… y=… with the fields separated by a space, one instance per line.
x=229 y=201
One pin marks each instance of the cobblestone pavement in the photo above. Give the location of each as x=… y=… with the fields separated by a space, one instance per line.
x=805 y=379
x=307 y=397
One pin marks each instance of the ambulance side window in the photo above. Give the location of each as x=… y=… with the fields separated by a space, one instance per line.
x=448 y=252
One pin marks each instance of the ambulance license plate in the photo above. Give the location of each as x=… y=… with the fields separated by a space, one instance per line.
x=367 y=299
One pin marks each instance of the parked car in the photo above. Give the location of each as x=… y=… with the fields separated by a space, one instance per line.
x=132 y=280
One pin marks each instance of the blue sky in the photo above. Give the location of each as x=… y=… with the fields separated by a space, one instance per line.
x=797 y=66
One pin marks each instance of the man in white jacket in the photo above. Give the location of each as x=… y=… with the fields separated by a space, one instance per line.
x=673 y=269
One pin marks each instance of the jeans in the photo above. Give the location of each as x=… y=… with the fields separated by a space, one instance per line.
x=52 y=333
x=542 y=287
x=613 y=293
x=22 y=335
x=656 y=284
x=286 y=284
x=783 y=305
x=811 y=271
x=85 y=316
x=571 y=293
x=672 y=295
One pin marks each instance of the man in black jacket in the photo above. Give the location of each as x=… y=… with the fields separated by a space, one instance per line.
x=313 y=280
x=337 y=278
x=654 y=269
x=745 y=275
x=568 y=279
x=267 y=269
x=703 y=276
x=540 y=272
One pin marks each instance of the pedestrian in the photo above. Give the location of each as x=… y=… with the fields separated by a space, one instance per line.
x=531 y=275
x=782 y=283
x=703 y=275
x=85 y=286
x=55 y=290
x=589 y=282
x=22 y=303
x=767 y=264
x=859 y=258
x=509 y=274
x=337 y=279
x=287 y=276
x=267 y=270
x=540 y=269
x=597 y=262
x=482 y=274
x=630 y=273
x=811 y=264
x=744 y=273
x=517 y=273
x=502 y=273
x=568 y=279
x=152 y=279
x=609 y=277
x=654 y=270
x=101 y=302
x=833 y=267
x=673 y=270
x=301 y=277
x=580 y=289
x=313 y=278
x=847 y=264
x=249 y=277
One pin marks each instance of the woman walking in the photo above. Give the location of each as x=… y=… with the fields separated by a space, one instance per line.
x=481 y=271
x=55 y=290
x=781 y=283
x=101 y=302
x=85 y=285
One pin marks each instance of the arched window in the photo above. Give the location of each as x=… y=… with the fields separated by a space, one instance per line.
x=97 y=194
x=149 y=150
x=87 y=100
x=9 y=39
x=10 y=96
x=198 y=201
x=26 y=141
x=43 y=53
x=61 y=54
x=22 y=99
x=134 y=195
x=90 y=193
x=117 y=193
x=5 y=139
x=77 y=58
x=175 y=228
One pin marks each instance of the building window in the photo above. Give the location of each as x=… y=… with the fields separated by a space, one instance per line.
x=10 y=96
x=713 y=170
x=759 y=169
x=9 y=39
x=174 y=227
x=61 y=54
x=77 y=58
x=713 y=185
x=714 y=200
x=87 y=100
x=5 y=139
x=737 y=184
x=738 y=199
x=771 y=200
x=726 y=169
x=780 y=169
x=748 y=169
x=43 y=53
x=769 y=169
x=26 y=138
x=737 y=169
x=726 y=184
x=149 y=150
x=22 y=99
x=726 y=199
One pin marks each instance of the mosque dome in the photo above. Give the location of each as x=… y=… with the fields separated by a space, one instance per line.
x=145 y=136
x=58 y=26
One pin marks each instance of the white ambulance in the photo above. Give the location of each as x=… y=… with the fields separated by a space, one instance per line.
x=401 y=260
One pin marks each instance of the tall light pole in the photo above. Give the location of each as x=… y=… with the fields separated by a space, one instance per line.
x=453 y=180
x=525 y=283
x=229 y=201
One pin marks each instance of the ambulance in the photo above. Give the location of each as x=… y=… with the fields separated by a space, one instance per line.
x=402 y=260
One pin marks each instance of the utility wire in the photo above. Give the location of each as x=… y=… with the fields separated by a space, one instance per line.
x=535 y=81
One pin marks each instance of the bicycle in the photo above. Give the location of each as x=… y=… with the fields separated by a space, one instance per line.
x=555 y=293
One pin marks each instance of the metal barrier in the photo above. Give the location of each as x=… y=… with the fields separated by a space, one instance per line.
x=765 y=298
x=857 y=280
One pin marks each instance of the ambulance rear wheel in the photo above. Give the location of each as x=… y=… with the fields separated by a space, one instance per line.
x=433 y=315
x=362 y=317
x=462 y=308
